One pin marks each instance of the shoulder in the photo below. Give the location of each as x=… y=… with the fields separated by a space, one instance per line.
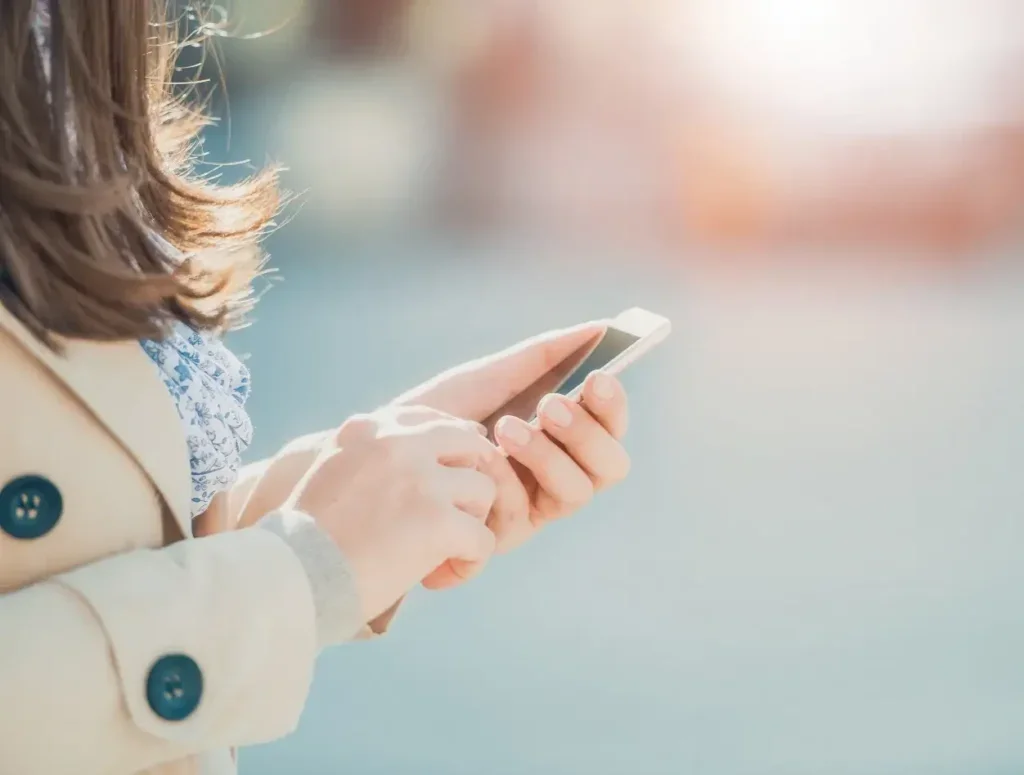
x=91 y=435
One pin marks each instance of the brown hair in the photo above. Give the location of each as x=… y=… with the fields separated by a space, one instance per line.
x=105 y=232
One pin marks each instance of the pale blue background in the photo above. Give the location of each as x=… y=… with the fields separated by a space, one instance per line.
x=816 y=567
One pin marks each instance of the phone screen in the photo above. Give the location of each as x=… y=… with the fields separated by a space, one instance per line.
x=566 y=376
x=612 y=344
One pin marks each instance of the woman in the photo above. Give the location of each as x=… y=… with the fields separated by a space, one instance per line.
x=157 y=608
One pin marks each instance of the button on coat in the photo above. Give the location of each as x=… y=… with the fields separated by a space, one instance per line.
x=30 y=507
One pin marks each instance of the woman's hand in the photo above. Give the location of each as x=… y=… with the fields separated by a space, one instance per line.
x=401 y=492
x=538 y=482
x=575 y=452
x=551 y=471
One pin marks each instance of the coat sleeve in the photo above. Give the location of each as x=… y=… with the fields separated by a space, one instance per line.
x=154 y=655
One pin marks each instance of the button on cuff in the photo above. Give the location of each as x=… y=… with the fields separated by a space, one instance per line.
x=174 y=687
x=237 y=604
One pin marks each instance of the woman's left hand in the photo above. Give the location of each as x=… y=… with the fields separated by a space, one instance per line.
x=552 y=470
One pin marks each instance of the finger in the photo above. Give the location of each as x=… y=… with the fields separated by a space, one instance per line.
x=585 y=440
x=468 y=489
x=472 y=545
x=509 y=518
x=605 y=398
x=458 y=442
x=563 y=485
x=469 y=538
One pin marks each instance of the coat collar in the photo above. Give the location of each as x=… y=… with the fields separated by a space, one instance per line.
x=119 y=386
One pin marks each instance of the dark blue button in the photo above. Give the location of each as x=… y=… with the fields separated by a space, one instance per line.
x=30 y=507
x=174 y=687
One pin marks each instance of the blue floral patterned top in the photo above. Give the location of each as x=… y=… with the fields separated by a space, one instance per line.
x=209 y=385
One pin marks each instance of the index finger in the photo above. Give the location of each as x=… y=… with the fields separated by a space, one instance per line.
x=472 y=546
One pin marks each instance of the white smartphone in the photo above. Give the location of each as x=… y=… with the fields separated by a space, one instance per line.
x=628 y=337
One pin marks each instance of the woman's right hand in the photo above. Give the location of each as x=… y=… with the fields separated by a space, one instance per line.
x=400 y=493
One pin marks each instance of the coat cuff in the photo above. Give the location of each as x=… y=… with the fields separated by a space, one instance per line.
x=339 y=615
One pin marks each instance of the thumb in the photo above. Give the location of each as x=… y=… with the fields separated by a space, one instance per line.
x=524 y=362
x=478 y=388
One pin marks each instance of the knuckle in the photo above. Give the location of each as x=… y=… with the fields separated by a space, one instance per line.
x=433 y=432
x=459 y=424
x=357 y=427
x=413 y=414
x=406 y=445
x=469 y=427
x=392 y=447
x=449 y=425
x=459 y=434
x=390 y=453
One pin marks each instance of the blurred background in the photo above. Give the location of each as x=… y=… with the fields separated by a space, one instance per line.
x=816 y=566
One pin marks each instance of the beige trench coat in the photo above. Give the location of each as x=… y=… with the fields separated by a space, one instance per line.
x=127 y=646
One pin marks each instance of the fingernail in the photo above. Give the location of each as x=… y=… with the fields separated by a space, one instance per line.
x=513 y=431
x=556 y=411
x=604 y=387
